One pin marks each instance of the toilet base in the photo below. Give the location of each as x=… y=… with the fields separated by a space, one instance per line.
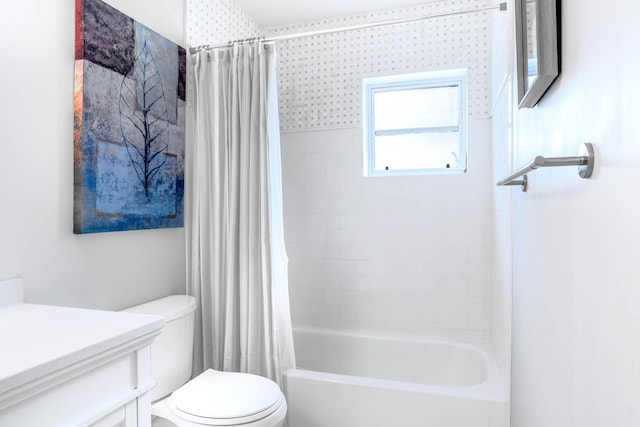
x=162 y=410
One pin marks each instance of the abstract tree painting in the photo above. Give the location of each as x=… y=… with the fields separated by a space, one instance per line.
x=129 y=124
x=144 y=118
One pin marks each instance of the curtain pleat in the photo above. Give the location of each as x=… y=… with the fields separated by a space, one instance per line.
x=236 y=257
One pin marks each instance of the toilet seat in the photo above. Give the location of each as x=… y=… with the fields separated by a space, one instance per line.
x=226 y=398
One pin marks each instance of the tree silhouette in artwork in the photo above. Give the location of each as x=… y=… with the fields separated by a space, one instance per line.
x=144 y=118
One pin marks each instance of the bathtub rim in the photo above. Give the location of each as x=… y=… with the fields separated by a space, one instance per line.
x=493 y=388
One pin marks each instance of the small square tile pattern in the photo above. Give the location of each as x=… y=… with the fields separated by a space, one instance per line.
x=320 y=77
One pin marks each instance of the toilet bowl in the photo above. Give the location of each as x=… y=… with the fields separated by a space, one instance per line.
x=213 y=398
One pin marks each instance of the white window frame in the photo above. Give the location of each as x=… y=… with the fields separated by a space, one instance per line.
x=431 y=79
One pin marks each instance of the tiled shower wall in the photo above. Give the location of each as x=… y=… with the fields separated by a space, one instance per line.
x=402 y=255
x=218 y=21
x=502 y=122
x=399 y=255
x=320 y=77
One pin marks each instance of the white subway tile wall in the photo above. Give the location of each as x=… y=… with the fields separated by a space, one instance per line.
x=398 y=255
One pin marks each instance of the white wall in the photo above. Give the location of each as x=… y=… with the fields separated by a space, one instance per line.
x=502 y=126
x=107 y=270
x=576 y=326
x=401 y=255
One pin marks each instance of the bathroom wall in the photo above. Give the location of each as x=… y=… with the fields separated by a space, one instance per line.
x=106 y=270
x=405 y=255
x=212 y=22
x=320 y=77
x=576 y=292
x=502 y=143
x=402 y=255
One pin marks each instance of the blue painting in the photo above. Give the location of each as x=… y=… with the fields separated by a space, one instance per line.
x=129 y=107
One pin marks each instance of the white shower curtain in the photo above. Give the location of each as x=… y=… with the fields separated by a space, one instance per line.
x=237 y=264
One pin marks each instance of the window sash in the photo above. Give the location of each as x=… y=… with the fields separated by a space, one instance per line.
x=422 y=151
x=424 y=97
x=453 y=80
x=434 y=129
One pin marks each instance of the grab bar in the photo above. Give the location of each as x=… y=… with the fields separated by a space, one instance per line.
x=584 y=160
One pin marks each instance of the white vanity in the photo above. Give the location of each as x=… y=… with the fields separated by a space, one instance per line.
x=66 y=367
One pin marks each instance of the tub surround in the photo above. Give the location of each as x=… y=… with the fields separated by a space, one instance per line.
x=404 y=255
x=69 y=366
x=394 y=255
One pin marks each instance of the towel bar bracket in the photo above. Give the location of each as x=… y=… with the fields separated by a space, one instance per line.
x=586 y=150
x=523 y=183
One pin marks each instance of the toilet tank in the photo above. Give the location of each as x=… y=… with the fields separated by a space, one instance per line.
x=172 y=350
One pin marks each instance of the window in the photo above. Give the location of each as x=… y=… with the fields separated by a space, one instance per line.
x=415 y=124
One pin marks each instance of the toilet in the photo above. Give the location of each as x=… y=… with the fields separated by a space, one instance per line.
x=213 y=398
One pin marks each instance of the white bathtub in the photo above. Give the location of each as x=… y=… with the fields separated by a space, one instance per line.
x=357 y=380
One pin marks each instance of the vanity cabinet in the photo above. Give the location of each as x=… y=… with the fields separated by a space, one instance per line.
x=62 y=366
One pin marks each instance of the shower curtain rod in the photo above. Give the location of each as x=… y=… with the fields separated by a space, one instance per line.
x=501 y=7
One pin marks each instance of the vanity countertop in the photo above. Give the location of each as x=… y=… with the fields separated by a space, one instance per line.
x=37 y=340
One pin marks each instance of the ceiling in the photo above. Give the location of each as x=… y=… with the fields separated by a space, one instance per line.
x=274 y=13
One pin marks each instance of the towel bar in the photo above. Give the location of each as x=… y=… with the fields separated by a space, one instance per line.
x=584 y=160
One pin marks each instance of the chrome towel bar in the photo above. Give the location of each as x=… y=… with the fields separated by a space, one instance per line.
x=584 y=160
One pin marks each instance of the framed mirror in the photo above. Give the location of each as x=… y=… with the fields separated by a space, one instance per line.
x=536 y=48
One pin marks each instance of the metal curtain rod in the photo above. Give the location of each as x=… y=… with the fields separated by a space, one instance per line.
x=584 y=160
x=501 y=7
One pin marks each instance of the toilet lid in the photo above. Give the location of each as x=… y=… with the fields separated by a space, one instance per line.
x=221 y=398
